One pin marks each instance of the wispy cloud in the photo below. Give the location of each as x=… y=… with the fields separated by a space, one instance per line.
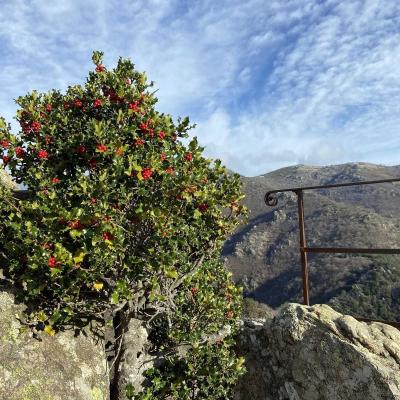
x=269 y=83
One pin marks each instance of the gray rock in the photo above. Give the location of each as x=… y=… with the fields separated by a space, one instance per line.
x=6 y=180
x=316 y=353
x=60 y=367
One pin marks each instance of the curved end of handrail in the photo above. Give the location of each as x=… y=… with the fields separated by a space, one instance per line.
x=271 y=198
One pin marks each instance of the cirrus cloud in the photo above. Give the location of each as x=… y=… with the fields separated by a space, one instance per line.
x=268 y=83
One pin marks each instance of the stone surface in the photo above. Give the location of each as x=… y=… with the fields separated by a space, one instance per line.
x=61 y=367
x=316 y=353
x=6 y=180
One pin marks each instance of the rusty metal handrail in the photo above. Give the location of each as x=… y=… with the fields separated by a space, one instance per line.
x=271 y=199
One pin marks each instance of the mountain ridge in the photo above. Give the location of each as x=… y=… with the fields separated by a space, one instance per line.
x=263 y=254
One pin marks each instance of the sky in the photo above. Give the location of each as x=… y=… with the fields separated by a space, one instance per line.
x=269 y=83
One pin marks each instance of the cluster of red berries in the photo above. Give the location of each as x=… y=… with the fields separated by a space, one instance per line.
x=108 y=236
x=42 y=154
x=76 y=225
x=100 y=68
x=203 y=207
x=101 y=147
x=4 y=144
x=20 y=152
x=52 y=262
x=146 y=173
x=146 y=129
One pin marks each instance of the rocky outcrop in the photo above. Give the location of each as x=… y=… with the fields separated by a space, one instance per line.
x=316 y=353
x=61 y=367
x=6 y=180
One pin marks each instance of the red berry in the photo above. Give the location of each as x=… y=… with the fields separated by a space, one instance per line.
x=163 y=156
x=97 y=103
x=93 y=200
x=100 y=68
x=194 y=290
x=75 y=225
x=101 y=147
x=134 y=106
x=55 y=180
x=161 y=135
x=108 y=236
x=20 y=152
x=43 y=154
x=146 y=173
x=78 y=103
x=52 y=262
x=189 y=156
x=169 y=170
x=6 y=160
x=93 y=163
x=139 y=142
x=81 y=149
x=202 y=207
x=4 y=143
x=35 y=126
x=49 y=108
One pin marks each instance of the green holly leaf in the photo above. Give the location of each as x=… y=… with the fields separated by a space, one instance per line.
x=171 y=273
x=74 y=233
x=79 y=256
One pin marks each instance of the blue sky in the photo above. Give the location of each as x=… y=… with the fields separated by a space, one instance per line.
x=270 y=83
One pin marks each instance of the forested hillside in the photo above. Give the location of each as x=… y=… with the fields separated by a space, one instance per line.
x=264 y=256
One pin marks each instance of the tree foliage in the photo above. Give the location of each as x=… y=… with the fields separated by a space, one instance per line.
x=123 y=217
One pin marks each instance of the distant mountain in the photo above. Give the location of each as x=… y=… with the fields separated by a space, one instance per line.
x=263 y=254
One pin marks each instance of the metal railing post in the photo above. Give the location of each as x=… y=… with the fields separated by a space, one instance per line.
x=303 y=251
x=271 y=199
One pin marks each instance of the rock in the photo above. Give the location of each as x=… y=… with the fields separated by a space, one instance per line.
x=6 y=180
x=61 y=367
x=316 y=353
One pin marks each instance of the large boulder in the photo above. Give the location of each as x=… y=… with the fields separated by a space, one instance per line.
x=60 y=367
x=316 y=353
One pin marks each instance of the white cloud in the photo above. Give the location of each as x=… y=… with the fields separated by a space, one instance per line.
x=269 y=83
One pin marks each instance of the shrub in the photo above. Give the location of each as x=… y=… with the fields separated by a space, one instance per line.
x=123 y=219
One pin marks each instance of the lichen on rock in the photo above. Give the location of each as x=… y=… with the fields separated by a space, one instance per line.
x=6 y=180
x=62 y=367
x=316 y=353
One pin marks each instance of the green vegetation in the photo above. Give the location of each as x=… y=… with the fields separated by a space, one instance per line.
x=264 y=254
x=254 y=309
x=376 y=294
x=125 y=220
